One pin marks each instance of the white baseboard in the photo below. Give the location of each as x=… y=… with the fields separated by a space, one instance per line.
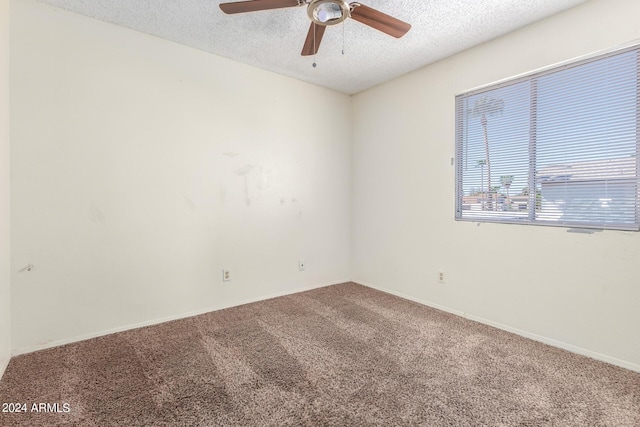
x=565 y=346
x=69 y=340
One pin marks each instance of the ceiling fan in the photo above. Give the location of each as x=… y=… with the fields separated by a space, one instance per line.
x=324 y=13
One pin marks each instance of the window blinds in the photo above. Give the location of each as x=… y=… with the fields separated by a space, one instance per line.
x=558 y=147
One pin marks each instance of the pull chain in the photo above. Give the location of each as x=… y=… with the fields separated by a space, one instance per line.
x=343 y=24
x=314 y=45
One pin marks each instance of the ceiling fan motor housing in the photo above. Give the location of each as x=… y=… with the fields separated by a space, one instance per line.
x=328 y=12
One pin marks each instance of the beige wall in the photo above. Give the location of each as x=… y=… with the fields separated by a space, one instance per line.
x=142 y=168
x=5 y=250
x=577 y=291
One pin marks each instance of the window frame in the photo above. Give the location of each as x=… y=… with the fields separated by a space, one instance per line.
x=532 y=77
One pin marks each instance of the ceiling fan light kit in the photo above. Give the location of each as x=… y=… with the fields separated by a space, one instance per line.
x=323 y=13
x=328 y=12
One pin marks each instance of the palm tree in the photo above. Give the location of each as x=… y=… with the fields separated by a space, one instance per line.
x=482 y=163
x=482 y=108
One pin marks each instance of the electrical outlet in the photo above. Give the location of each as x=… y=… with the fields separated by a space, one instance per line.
x=441 y=276
x=226 y=275
x=301 y=265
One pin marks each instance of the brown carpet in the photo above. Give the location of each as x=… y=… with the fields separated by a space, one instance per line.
x=344 y=355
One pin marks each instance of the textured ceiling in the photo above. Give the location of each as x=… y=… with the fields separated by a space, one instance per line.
x=273 y=39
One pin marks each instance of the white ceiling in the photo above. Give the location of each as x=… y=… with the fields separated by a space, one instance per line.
x=273 y=39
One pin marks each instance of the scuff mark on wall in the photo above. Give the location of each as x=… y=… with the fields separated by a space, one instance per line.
x=265 y=178
x=96 y=215
x=189 y=202
x=244 y=170
x=247 y=200
x=260 y=183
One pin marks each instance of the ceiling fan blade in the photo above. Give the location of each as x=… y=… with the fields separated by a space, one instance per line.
x=378 y=20
x=309 y=48
x=254 y=5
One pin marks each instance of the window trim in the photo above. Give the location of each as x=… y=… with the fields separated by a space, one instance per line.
x=532 y=76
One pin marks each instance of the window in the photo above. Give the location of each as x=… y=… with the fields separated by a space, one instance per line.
x=558 y=147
